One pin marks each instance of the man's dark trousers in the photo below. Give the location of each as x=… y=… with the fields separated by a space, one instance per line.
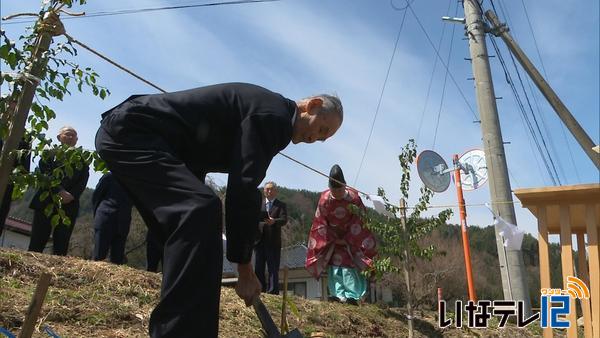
x=271 y=255
x=268 y=248
x=61 y=235
x=110 y=233
x=186 y=215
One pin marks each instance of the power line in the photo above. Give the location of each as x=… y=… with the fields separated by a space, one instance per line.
x=442 y=61
x=387 y=74
x=534 y=118
x=535 y=94
x=562 y=129
x=435 y=62
x=549 y=163
x=522 y=109
x=151 y=9
x=439 y=114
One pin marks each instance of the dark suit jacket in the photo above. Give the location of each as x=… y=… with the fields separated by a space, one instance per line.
x=110 y=198
x=234 y=128
x=271 y=234
x=75 y=185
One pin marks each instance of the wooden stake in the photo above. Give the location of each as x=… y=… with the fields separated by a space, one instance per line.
x=35 y=306
x=284 y=327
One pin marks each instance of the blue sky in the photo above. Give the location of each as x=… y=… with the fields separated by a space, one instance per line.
x=304 y=47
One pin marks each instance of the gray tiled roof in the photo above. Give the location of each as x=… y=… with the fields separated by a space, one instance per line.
x=293 y=256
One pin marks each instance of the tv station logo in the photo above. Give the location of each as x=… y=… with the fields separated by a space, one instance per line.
x=554 y=305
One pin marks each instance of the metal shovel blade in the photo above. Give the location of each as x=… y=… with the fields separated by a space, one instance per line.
x=268 y=324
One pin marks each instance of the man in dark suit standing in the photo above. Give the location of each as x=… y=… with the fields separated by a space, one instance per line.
x=69 y=191
x=160 y=148
x=112 y=219
x=268 y=248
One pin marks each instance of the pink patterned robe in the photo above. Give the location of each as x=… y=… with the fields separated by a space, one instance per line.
x=334 y=220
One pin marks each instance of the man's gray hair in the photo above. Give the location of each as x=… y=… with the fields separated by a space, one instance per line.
x=331 y=104
x=271 y=183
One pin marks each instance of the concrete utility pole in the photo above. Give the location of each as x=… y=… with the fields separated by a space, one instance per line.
x=514 y=281
x=563 y=112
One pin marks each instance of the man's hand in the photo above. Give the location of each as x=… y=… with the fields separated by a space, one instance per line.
x=270 y=221
x=248 y=287
x=65 y=196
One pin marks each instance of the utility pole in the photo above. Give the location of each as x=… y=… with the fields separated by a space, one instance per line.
x=514 y=281
x=563 y=112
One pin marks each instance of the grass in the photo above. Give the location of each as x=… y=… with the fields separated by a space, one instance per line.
x=97 y=299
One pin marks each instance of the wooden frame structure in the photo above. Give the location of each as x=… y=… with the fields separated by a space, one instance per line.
x=567 y=211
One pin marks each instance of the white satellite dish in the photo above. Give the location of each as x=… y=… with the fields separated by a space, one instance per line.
x=474 y=167
x=433 y=171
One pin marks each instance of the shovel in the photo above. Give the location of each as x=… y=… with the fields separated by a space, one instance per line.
x=268 y=324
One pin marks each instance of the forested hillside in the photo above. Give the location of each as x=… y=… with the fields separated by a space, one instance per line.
x=446 y=270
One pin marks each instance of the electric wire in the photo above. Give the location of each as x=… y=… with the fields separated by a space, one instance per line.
x=562 y=127
x=442 y=61
x=543 y=139
x=435 y=63
x=522 y=109
x=534 y=95
x=387 y=74
x=549 y=162
x=439 y=114
x=151 y=9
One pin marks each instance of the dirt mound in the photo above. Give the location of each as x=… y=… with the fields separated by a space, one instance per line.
x=96 y=299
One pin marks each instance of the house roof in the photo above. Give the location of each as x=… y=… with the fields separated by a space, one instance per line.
x=293 y=256
x=18 y=225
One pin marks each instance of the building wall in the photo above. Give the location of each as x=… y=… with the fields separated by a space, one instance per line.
x=300 y=275
x=14 y=240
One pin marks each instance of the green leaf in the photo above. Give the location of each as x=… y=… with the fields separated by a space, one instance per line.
x=54 y=220
x=44 y=195
x=66 y=220
x=69 y=170
x=293 y=307
x=48 y=209
x=4 y=49
x=102 y=94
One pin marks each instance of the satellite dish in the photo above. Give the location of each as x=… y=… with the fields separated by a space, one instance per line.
x=431 y=166
x=475 y=169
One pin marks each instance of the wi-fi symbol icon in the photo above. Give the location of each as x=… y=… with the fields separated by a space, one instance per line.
x=577 y=288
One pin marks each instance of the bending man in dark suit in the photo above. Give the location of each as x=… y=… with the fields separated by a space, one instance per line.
x=160 y=147
x=112 y=218
x=268 y=248
x=23 y=161
x=70 y=190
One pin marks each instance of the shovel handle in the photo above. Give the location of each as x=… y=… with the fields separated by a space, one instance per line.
x=265 y=318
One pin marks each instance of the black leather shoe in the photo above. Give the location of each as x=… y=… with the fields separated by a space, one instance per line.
x=334 y=299
x=352 y=301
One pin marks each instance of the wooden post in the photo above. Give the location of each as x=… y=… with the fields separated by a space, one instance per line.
x=35 y=69
x=582 y=273
x=35 y=306
x=591 y=219
x=567 y=262
x=406 y=267
x=544 y=256
x=284 y=327
x=323 y=281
